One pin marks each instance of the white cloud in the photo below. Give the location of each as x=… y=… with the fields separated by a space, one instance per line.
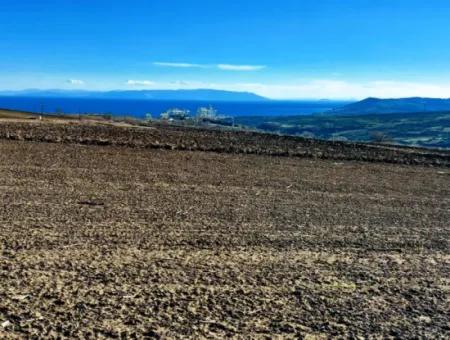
x=229 y=67
x=140 y=82
x=179 y=65
x=75 y=82
x=223 y=67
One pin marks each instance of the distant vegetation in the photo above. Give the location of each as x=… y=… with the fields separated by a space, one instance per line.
x=429 y=129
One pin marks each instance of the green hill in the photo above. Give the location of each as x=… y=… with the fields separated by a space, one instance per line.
x=400 y=105
x=429 y=129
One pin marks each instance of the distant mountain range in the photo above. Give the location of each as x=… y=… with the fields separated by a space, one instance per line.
x=400 y=105
x=366 y=106
x=200 y=94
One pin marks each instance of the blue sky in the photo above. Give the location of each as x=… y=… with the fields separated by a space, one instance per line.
x=280 y=49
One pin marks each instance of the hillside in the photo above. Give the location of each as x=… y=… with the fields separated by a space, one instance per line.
x=430 y=129
x=14 y=114
x=173 y=137
x=424 y=129
x=400 y=105
x=198 y=94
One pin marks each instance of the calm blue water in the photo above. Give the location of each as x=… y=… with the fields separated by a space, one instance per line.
x=139 y=108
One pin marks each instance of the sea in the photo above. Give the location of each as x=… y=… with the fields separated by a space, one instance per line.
x=143 y=108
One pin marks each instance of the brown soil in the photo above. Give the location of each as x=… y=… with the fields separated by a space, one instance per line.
x=160 y=136
x=6 y=114
x=101 y=241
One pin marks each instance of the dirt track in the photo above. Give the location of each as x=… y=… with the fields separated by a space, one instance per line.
x=107 y=241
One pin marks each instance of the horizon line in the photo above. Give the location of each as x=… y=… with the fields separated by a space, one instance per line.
x=3 y=92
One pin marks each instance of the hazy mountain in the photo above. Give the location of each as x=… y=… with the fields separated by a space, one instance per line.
x=200 y=94
x=400 y=105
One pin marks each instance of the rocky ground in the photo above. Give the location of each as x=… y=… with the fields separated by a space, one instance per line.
x=114 y=241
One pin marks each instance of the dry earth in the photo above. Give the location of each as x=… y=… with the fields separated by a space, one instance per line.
x=119 y=241
x=163 y=136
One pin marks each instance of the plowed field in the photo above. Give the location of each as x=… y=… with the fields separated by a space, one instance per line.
x=111 y=241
